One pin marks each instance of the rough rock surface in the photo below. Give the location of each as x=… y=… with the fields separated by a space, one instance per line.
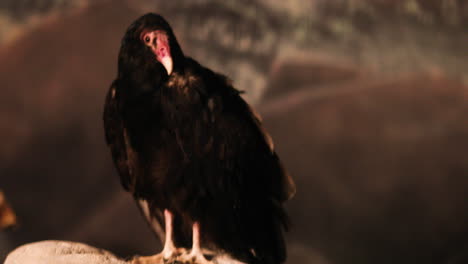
x=66 y=252
x=58 y=252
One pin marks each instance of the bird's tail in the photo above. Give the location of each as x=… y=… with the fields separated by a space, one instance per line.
x=265 y=230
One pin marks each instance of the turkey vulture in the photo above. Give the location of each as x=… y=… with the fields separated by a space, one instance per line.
x=193 y=153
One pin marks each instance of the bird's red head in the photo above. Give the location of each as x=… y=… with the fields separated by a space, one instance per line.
x=158 y=41
x=150 y=43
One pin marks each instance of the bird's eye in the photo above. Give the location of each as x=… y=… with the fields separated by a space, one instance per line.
x=147 y=39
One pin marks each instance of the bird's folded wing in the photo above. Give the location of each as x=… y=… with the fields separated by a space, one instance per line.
x=116 y=138
x=246 y=141
x=289 y=187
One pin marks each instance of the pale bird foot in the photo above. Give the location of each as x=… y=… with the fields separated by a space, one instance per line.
x=194 y=257
x=165 y=257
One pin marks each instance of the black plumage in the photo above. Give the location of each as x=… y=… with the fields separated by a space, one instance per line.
x=188 y=143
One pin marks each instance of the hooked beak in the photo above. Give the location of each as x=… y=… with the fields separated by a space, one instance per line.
x=166 y=61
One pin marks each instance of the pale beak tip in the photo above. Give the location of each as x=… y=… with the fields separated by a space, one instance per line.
x=167 y=63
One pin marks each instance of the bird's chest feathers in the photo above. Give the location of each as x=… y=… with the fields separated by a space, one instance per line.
x=187 y=115
x=184 y=85
x=181 y=98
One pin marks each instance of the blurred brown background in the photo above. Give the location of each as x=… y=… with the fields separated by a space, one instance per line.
x=367 y=102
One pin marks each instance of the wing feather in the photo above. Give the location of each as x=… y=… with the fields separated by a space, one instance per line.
x=242 y=130
x=125 y=158
x=116 y=138
x=288 y=189
x=153 y=219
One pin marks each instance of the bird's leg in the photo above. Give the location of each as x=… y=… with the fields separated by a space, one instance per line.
x=169 y=251
x=196 y=254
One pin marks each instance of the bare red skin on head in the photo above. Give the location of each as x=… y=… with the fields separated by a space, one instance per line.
x=158 y=42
